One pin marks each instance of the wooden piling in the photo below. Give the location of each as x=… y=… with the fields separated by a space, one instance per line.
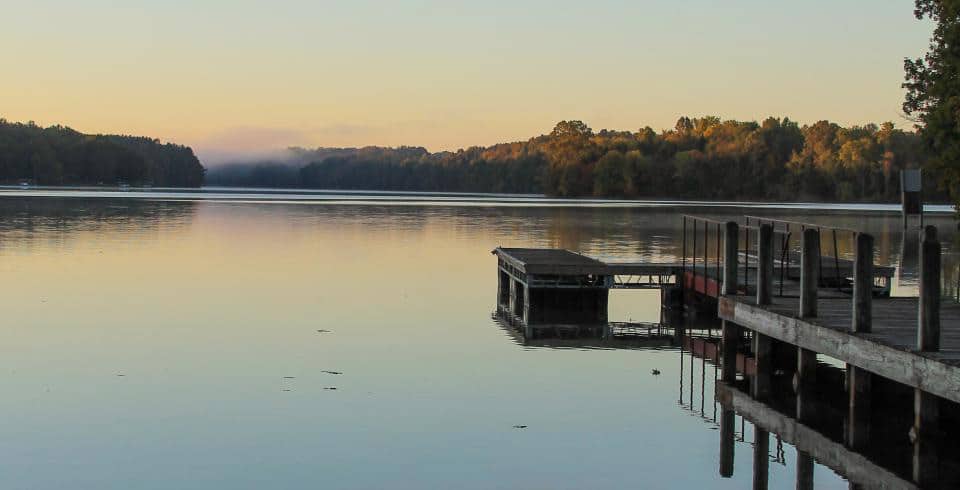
x=928 y=329
x=926 y=425
x=731 y=331
x=803 y=381
x=761 y=458
x=809 y=272
x=764 y=264
x=858 y=417
x=863 y=285
x=727 y=442
x=804 y=471
x=762 y=350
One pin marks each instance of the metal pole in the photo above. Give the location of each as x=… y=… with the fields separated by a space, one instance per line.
x=718 y=253
x=683 y=253
x=764 y=264
x=836 y=258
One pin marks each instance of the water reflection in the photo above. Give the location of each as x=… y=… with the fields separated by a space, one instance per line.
x=812 y=417
x=227 y=318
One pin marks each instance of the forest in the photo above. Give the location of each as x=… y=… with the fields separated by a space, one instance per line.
x=58 y=155
x=700 y=158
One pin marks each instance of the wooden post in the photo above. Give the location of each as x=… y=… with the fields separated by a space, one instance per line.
x=926 y=425
x=762 y=349
x=809 y=272
x=928 y=331
x=803 y=382
x=926 y=407
x=765 y=264
x=731 y=331
x=727 y=442
x=524 y=303
x=761 y=458
x=863 y=285
x=804 y=471
x=858 y=418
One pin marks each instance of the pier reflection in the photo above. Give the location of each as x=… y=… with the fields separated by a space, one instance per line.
x=813 y=417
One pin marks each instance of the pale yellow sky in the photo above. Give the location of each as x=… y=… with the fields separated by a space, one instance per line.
x=250 y=76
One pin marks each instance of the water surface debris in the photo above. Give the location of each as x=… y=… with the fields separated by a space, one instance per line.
x=323 y=331
x=289 y=377
x=331 y=372
x=331 y=388
x=519 y=426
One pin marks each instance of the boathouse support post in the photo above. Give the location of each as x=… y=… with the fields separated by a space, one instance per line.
x=764 y=264
x=731 y=331
x=926 y=407
x=809 y=272
x=727 y=442
x=761 y=458
x=863 y=284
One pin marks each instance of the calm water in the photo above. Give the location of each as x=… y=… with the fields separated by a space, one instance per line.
x=154 y=343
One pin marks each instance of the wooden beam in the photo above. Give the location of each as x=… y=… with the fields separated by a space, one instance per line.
x=909 y=368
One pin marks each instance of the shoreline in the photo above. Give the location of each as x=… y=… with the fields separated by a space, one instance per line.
x=355 y=197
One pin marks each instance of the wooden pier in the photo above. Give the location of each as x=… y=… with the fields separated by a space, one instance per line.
x=781 y=300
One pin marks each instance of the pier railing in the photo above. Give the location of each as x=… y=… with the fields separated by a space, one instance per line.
x=837 y=249
x=702 y=253
x=702 y=246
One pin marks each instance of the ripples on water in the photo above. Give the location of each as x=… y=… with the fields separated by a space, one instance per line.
x=157 y=340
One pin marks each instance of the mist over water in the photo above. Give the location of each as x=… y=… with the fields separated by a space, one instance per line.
x=156 y=340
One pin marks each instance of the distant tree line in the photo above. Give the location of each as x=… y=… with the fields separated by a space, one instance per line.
x=58 y=155
x=702 y=158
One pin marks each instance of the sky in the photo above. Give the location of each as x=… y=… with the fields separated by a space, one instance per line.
x=238 y=77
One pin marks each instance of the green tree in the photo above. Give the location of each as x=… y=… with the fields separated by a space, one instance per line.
x=933 y=91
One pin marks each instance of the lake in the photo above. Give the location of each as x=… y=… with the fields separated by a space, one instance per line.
x=241 y=340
